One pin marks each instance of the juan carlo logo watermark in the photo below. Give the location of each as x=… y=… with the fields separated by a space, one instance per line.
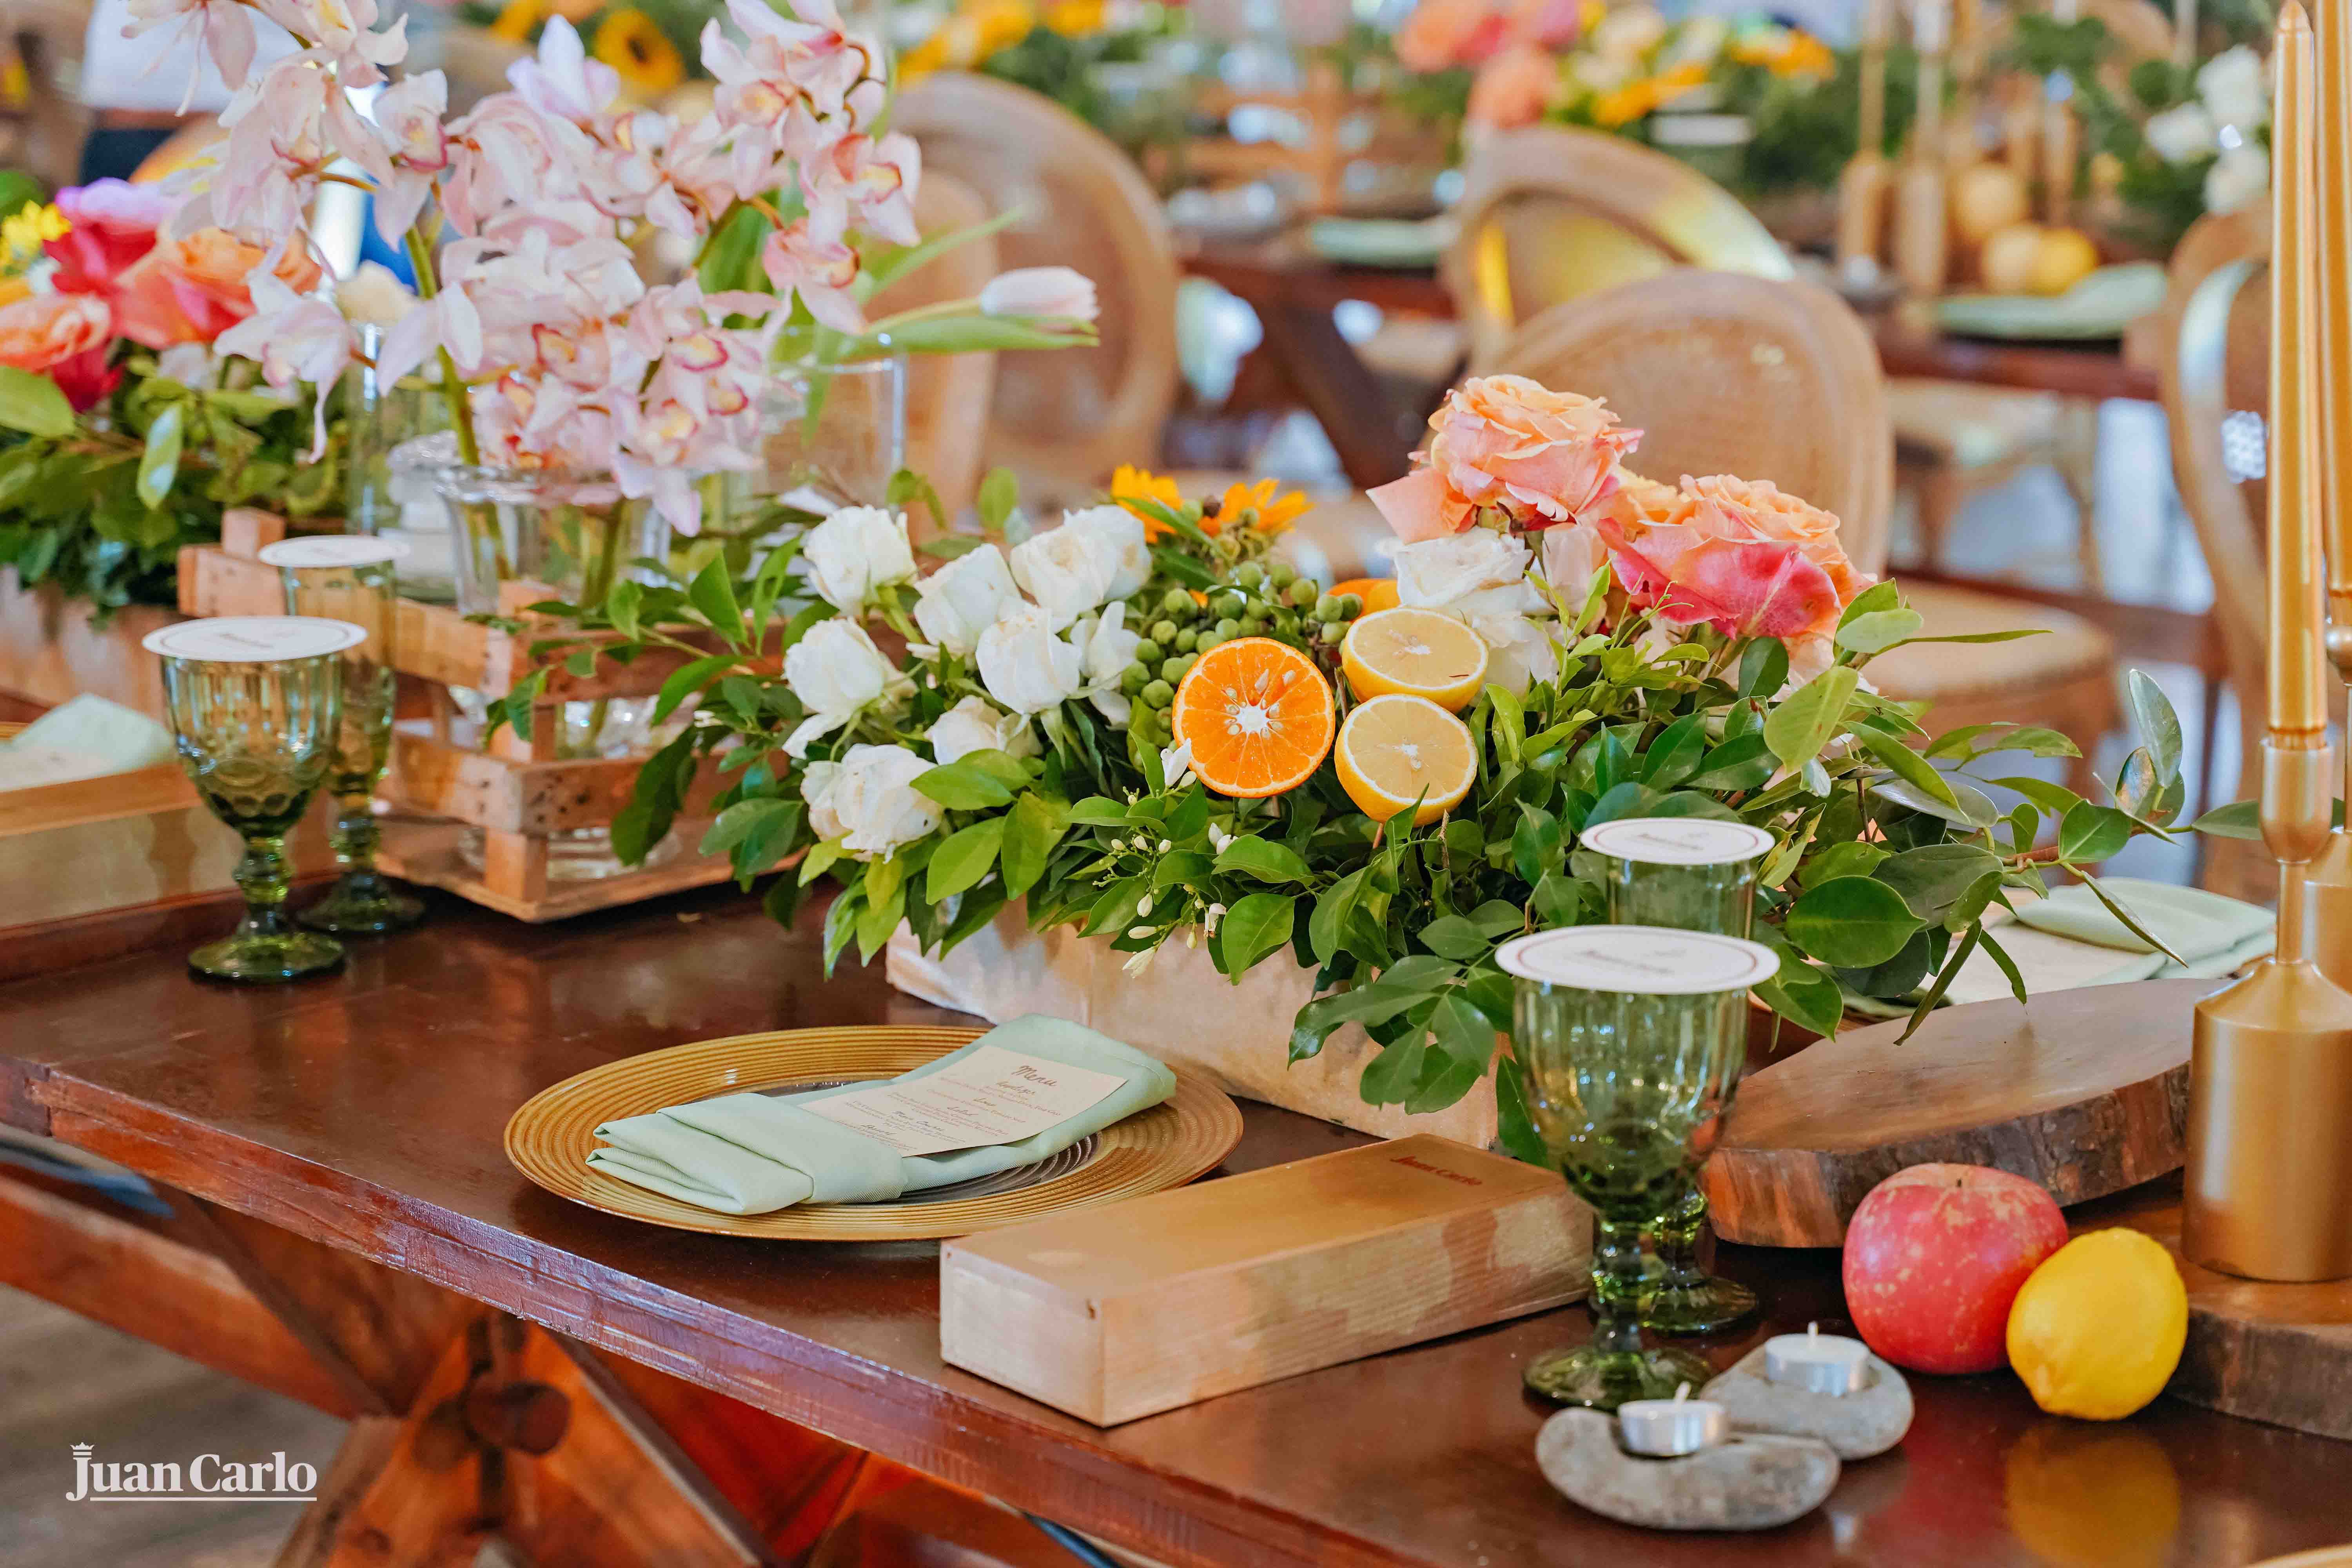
x=207 y=1478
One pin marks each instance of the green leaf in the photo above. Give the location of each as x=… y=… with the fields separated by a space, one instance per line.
x=1977 y=636
x=1907 y=764
x=1498 y=918
x=1034 y=826
x=1805 y=996
x=1764 y=667
x=1850 y=922
x=31 y=403
x=712 y=592
x=1630 y=799
x=1098 y=811
x=688 y=678
x=1850 y=858
x=2240 y=819
x=1535 y=845
x=738 y=821
x=1878 y=630
x=1515 y=1128
x=1557 y=899
x=1263 y=859
x=1002 y=766
x=961 y=787
x=2159 y=725
x=1000 y=492
x=1256 y=926
x=2092 y=833
x=1799 y=728
x=1462 y=1032
x=963 y=859
x=1390 y=1077
x=731 y=256
x=840 y=923
x=1934 y=996
x=2131 y=923
x=1457 y=937
x=1741 y=763
x=1975 y=809
x=1870 y=602
x=1675 y=755
x=1935 y=877
x=159 y=464
x=888 y=263
x=2008 y=965
x=821 y=858
x=1326 y=927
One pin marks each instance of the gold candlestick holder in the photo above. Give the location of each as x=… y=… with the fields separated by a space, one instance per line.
x=2329 y=884
x=2268 y=1185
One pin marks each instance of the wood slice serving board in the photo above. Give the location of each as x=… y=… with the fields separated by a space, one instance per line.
x=2085 y=1091
x=2280 y=1353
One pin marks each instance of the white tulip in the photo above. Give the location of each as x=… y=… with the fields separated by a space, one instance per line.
x=965 y=597
x=836 y=670
x=856 y=551
x=972 y=725
x=1024 y=665
x=2231 y=85
x=1106 y=648
x=869 y=801
x=1096 y=554
x=2239 y=178
x=2181 y=132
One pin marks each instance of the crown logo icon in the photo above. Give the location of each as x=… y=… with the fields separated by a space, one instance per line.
x=81 y=1448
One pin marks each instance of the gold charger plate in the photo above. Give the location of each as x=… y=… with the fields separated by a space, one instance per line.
x=550 y=1137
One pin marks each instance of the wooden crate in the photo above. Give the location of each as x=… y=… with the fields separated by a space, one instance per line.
x=516 y=790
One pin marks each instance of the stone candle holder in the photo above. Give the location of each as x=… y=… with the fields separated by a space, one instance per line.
x=1870 y=1420
x=1750 y=1481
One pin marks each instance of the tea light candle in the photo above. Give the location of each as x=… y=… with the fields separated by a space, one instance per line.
x=1816 y=1362
x=1669 y=1428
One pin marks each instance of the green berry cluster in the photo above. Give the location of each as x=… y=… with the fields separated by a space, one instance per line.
x=1260 y=599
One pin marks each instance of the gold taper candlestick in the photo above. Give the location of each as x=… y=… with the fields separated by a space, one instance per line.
x=2329 y=884
x=2269 y=1178
x=1922 y=226
x=1862 y=187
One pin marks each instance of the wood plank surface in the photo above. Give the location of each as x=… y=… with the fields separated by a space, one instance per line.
x=364 y=1110
x=2086 y=1093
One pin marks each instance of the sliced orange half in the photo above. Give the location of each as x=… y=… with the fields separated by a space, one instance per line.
x=1257 y=714
x=1415 y=653
x=1398 y=749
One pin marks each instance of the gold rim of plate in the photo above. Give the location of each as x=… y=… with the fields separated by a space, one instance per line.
x=549 y=1139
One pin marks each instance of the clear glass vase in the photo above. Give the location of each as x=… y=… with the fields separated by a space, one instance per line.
x=384 y=493
x=577 y=536
x=830 y=436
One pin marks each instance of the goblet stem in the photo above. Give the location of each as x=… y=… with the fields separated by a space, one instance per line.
x=355 y=837
x=1683 y=1297
x=361 y=901
x=1616 y=1285
x=263 y=876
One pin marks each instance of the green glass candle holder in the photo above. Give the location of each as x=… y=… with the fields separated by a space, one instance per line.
x=351 y=578
x=254 y=701
x=1628 y=1042
x=1692 y=874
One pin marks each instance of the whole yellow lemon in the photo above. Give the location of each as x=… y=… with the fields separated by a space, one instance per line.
x=1985 y=199
x=2096 y=1331
x=2008 y=260
x=2065 y=258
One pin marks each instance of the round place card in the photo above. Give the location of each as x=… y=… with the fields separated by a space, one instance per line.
x=332 y=549
x=1677 y=840
x=253 y=639
x=1656 y=960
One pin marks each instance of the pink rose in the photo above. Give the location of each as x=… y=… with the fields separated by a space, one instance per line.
x=1513 y=87
x=1535 y=455
x=1733 y=553
x=1442 y=34
x=113 y=224
x=1548 y=23
x=65 y=337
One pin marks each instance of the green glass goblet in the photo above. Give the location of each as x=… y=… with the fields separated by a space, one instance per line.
x=1628 y=1042
x=1693 y=874
x=349 y=578
x=254 y=701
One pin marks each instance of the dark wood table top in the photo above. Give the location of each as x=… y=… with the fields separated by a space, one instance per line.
x=365 y=1110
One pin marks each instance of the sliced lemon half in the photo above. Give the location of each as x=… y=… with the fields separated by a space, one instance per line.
x=1414 y=653
x=1398 y=749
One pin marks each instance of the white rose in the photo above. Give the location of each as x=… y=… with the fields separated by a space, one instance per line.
x=2230 y=83
x=963 y=598
x=1520 y=649
x=192 y=364
x=869 y=802
x=1096 y=554
x=2181 y=132
x=971 y=725
x=374 y=296
x=1480 y=577
x=1024 y=665
x=835 y=670
x=856 y=551
x=1572 y=557
x=1106 y=648
x=2239 y=178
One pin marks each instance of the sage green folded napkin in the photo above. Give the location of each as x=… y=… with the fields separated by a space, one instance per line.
x=755 y=1154
x=2198 y=926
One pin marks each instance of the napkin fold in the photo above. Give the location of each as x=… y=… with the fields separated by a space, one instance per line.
x=85 y=738
x=755 y=1154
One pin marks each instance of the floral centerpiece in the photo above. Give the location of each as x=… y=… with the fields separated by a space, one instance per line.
x=133 y=416
x=1144 y=726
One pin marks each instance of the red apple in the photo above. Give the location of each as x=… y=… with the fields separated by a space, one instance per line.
x=1934 y=1256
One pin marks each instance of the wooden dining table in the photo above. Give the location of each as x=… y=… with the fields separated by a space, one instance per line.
x=343 y=1224
x=1294 y=291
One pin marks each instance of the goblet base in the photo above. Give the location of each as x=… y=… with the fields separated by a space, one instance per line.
x=1603 y=1380
x=363 y=905
x=255 y=958
x=1698 y=1308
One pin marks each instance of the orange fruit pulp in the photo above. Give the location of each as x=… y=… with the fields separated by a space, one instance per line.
x=1259 y=716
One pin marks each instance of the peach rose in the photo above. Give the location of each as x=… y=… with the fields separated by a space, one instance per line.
x=1513 y=87
x=1736 y=555
x=1535 y=455
x=191 y=290
x=1772 y=512
x=65 y=337
x=1442 y=34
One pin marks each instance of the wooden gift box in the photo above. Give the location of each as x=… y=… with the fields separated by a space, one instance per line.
x=1119 y=1312
x=517 y=792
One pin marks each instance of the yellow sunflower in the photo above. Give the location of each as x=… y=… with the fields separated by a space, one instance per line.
x=1275 y=512
x=1131 y=483
x=634 y=44
x=515 y=22
x=1075 y=19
